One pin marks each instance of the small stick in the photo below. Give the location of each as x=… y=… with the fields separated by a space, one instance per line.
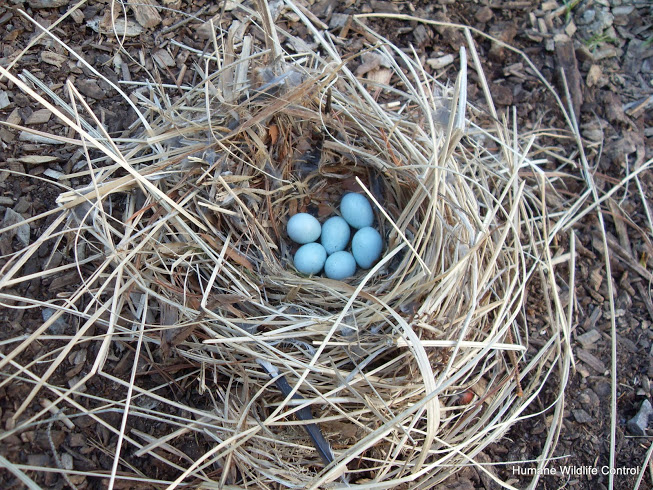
x=182 y=22
x=45 y=403
x=57 y=458
x=320 y=443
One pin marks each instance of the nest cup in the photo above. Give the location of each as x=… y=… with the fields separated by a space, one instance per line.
x=409 y=369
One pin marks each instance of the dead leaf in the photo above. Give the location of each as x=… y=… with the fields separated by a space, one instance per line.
x=273 y=131
x=171 y=337
x=371 y=61
x=324 y=210
x=173 y=249
x=22 y=231
x=381 y=76
x=34 y=159
x=146 y=12
x=230 y=252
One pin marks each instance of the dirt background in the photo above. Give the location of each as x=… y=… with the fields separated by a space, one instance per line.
x=603 y=48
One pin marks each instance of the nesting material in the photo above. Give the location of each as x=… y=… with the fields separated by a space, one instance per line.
x=407 y=370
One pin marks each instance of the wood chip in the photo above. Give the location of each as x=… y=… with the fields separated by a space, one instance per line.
x=570 y=29
x=312 y=17
x=451 y=35
x=591 y=360
x=14 y=117
x=593 y=75
x=441 y=62
x=90 y=88
x=123 y=68
x=566 y=56
x=38 y=460
x=54 y=59
x=646 y=297
x=588 y=338
x=620 y=225
x=606 y=52
x=146 y=12
x=54 y=174
x=16 y=167
x=596 y=278
x=549 y=5
x=384 y=7
x=64 y=281
x=504 y=32
x=48 y=4
x=371 y=61
x=39 y=117
x=163 y=59
x=484 y=14
x=635 y=108
x=582 y=417
x=119 y=27
x=613 y=107
x=501 y=94
x=625 y=257
x=76 y=439
x=590 y=322
x=77 y=15
x=67 y=461
x=338 y=21
x=421 y=34
x=4 y=99
x=71 y=373
x=627 y=344
x=516 y=69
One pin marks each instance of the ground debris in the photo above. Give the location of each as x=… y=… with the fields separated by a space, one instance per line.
x=639 y=423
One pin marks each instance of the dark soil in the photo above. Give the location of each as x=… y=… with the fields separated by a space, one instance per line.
x=602 y=49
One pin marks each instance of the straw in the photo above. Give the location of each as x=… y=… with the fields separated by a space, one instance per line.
x=178 y=242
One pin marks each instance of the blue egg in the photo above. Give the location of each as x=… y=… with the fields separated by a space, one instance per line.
x=340 y=265
x=366 y=247
x=335 y=234
x=356 y=210
x=310 y=258
x=303 y=228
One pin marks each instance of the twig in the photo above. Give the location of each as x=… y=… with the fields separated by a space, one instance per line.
x=56 y=456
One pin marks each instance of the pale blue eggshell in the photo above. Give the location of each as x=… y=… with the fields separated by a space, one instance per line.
x=356 y=210
x=310 y=258
x=335 y=234
x=366 y=247
x=303 y=228
x=340 y=265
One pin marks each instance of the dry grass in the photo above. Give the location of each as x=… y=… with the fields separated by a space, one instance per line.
x=410 y=369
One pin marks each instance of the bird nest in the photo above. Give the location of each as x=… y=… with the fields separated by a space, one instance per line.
x=226 y=365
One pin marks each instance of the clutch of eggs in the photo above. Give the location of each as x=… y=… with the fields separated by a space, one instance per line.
x=334 y=234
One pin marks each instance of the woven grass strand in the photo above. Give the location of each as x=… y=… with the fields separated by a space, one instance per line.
x=178 y=246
